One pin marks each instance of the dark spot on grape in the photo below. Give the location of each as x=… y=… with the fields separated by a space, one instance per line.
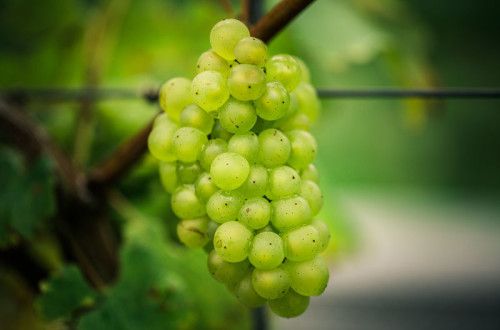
x=295 y=203
x=248 y=209
x=225 y=247
x=282 y=102
x=314 y=241
x=249 y=86
x=227 y=164
x=237 y=126
x=196 y=93
x=270 y=243
x=253 y=181
x=293 y=177
x=225 y=204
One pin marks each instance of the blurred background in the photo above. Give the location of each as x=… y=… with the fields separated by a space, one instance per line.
x=412 y=186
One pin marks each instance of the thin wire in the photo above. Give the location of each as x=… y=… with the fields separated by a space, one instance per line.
x=23 y=95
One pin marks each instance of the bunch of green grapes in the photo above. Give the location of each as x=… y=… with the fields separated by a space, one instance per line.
x=236 y=154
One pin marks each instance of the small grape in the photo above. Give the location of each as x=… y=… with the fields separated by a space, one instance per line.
x=284 y=181
x=204 y=187
x=290 y=305
x=297 y=120
x=285 y=69
x=160 y=141
x=274 y=148
x=168 y=176
x=232 y=241
x=237 y=116
x=256 y=183
x=229 y=273
x=246 y=293
x=303 y=149
x=324 y=233
x=310 y=172
x=229 y=170
x=302 y=243
x=266 y=251
x=193 y=232
x=224 y=206
x=246 y=144
x=188 y=143
x=271 y=284
x=225 y=35
x=219 y=132
x=311 y=192
x=255 y=213
x=162 y=119
x=188 y=173
x=246 y=82
x=309 y=278
x=212 y=149
x=185 y=203
x=290 y=213
x=308 y=101
x=251 y=50
x=209 y=90
x=274 y=103
x=194 y=116
x=305 y=75
x=210 y=61
x=174 y=95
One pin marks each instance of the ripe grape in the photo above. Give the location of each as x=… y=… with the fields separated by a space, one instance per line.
x=284 y=181
x=246 y=293
x=255 y=213
x=168 y=176
x=290 y=213
x=303 y=149
x=185 y=203
x=229 y=170
x=275 y=148
x=210 y=61
x=209 y=90
x=232 y=241
x=266 y=251
x=174 y=96
x=194 y=116
x=224 y=206
x=193 y=232
x=225 y=35
x=274 y=103
x=290 y=305
x=246 y=144
x=285 y=69
x=251 y=50
x=271 y=284
x=309 y=278
x=302 y=243
x=212 y=149
x=237 y=116
x=246 y=82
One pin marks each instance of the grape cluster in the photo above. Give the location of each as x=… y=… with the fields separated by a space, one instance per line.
x=236 y=154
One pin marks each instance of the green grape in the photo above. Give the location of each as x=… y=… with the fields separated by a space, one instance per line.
x=255 y=213
x=194 y=116
x=256 y=183
x=246 y=82
x=232 y=241
x=272 y=283
x=290 y=305
x=251 y=50
x=246 y=293
x=168 y=176
x=285 y=69
x=284 y=181
x=308 y=278
x=311 y=192
x=185 y=203
x=297 y=120
x=212 y=149
x=303 y=149
x=230 y=273
x=274 y=148
x=274 y=103
x=308 y=100
x=162 y=119
x=266 y=251
x=324 y=233
x=237 y=116
x=305 y=75
x=210 y=61
x=225 y=35
x=219 y=132
x=209 y=90
x=262 y=125
x=188 y=142
x=224 y=206
x=160 y=141
x=193 y=232
x=246 y=144
x=212 y=227
x=229 y=170
x=302 y=243
x=188 y=173
x=204 y=187
x=310 y=172
x=290 y=213
x=174 y=95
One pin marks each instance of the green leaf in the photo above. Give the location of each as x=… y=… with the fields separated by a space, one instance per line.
x=64 y=293
x=27 y=194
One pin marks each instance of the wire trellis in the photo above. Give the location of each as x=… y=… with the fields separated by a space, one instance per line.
x=24 y=95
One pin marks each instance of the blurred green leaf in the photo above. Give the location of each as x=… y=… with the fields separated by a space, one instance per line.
x=27 y=194
x=64 y=293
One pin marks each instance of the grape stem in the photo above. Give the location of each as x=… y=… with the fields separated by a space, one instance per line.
x=277 y=18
